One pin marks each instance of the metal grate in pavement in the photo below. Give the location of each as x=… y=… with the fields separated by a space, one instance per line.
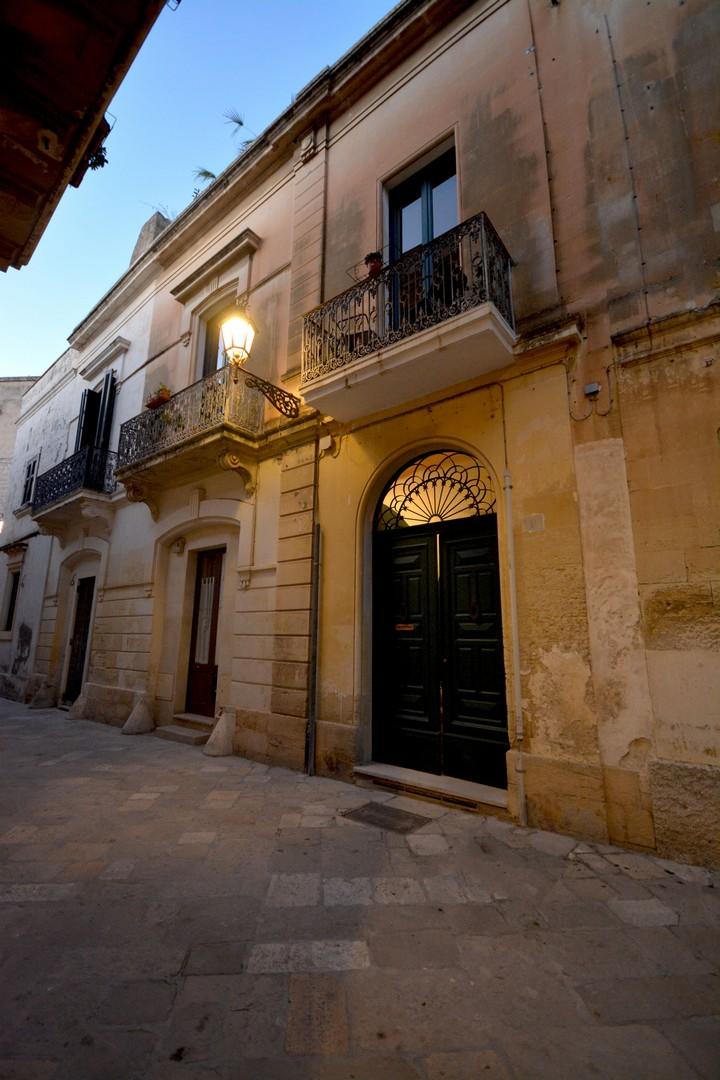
x=386 y=817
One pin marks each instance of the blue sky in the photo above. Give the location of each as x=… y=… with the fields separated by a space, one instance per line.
x=198 y=62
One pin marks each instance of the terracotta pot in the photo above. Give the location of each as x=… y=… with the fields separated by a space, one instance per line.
x=158 y=399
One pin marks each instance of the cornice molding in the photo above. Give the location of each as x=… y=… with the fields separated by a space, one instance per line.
x=672 y=334
x=246 y=243
x=88 y=369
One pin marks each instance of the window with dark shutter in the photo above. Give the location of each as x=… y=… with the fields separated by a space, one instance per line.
x=31 y=470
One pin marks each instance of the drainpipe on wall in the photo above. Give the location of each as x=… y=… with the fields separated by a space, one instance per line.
x=314 y=626
x=515 y=645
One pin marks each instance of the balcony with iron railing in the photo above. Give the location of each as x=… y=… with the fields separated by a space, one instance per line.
x=90 y=469
x=75 y=489
x=440 y=315
x=217 y=415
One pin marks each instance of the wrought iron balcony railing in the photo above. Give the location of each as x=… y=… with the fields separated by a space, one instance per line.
x=90 y=469
x=212 y=402
x=465 y=267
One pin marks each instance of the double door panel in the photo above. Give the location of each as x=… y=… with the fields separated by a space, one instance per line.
x=438 y=673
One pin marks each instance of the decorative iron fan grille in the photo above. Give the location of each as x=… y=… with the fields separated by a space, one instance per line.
x=442 y=486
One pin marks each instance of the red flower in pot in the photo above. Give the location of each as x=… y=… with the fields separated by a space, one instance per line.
x=160 y=396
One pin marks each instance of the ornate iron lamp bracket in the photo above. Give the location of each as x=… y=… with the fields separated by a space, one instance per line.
x=285 y=402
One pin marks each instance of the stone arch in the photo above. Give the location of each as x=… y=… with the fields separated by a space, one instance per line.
x=88 y=560
x=174 y=566
x=377 y=483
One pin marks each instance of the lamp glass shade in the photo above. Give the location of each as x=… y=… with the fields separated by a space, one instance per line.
x=237 y=334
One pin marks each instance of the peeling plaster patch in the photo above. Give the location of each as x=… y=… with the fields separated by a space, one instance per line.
x=562 y=721
x=637 y=755
x=534 y=523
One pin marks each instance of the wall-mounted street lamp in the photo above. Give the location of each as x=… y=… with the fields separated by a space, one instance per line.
x=238 y=334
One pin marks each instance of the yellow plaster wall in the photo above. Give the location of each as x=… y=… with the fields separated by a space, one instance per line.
x=557 y=695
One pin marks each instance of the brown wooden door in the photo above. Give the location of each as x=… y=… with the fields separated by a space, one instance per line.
x=202 y=671
x=79 y=639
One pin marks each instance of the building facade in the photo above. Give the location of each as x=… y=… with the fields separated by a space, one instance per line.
x=466 y=542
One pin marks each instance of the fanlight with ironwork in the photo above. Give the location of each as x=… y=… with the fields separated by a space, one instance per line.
x=442 y=486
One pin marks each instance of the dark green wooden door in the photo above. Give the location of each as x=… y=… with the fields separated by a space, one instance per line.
x=438 y=673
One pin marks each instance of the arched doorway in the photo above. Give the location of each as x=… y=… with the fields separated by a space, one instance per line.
x=438 y=673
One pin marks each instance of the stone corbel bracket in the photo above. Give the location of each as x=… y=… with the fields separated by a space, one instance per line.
x=100 y=515
x=59 y=533
x=136 y=492
x=234 y=463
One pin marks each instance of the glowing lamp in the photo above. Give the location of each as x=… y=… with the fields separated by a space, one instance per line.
x=237 y=334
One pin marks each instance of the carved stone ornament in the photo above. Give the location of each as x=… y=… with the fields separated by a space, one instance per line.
x=100 y=514
x=307 y=147
x=136 y=492
x=234 y=463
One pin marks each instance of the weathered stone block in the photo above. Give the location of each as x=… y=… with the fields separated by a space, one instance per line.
x=286 y=740
x=289 y=702
x=141 y=719
x=253 y=671
x=45 y=697
x=293 y=597
x=290 y=676
x=566 y=797
x=299 y=455
x=681 y=616
x=295 y=547
x=107 y=704
x=295 y=524
x=252 y=600
x=254 y=647
x=686 y=808
x=292 y=622
x=12 y=687
x=295 y=502
x=297 y=572
x=629 y=818
x=335 y=749
x=300 y=477
x=254 y=622
x=221 y=742
x=129 y=680
x=139 y=643
x=291 y=648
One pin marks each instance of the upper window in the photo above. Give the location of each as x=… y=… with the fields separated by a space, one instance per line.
x=424 y=206
x=31 y=471
x=214 y=355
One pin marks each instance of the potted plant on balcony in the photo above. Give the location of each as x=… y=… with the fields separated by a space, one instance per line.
x=160 y=396
x=374 y=263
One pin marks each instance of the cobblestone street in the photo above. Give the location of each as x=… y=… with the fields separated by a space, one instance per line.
x=165 y=915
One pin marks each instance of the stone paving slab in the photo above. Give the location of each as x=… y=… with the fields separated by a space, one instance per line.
x=163 y=916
